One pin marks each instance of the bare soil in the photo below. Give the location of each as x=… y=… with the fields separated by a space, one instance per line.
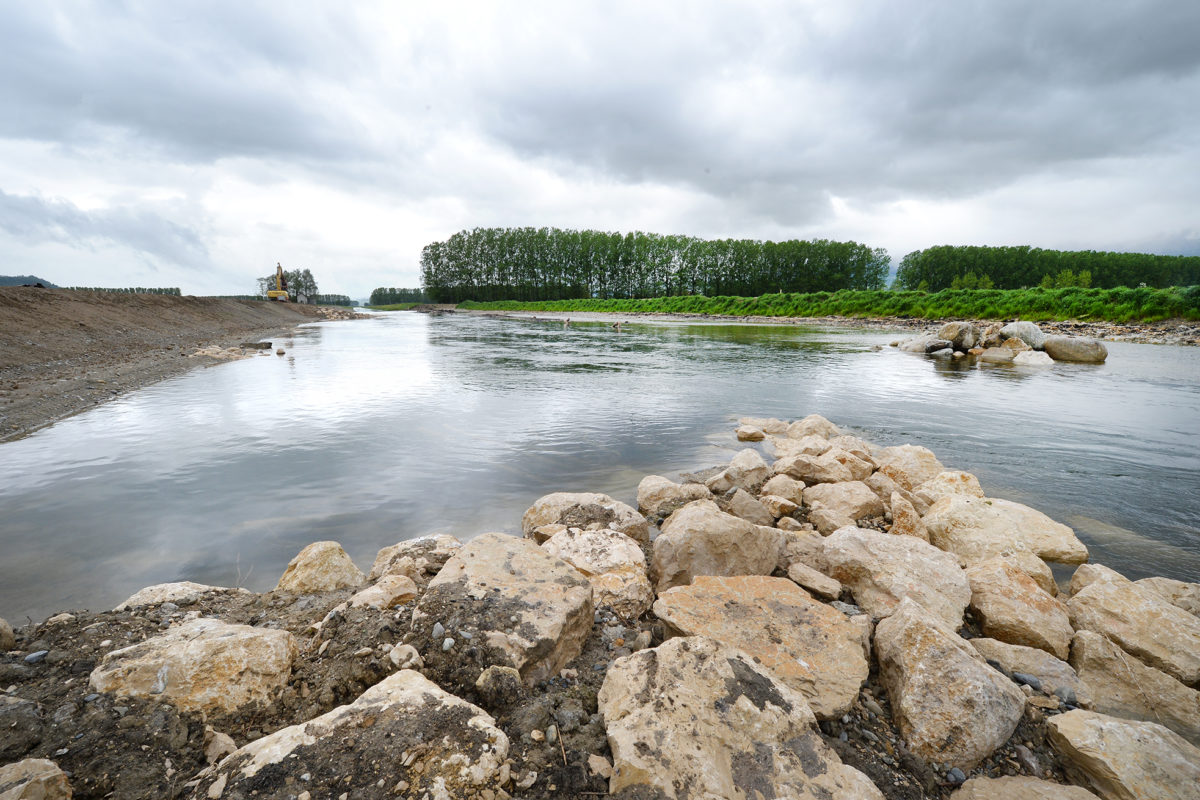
x=64 y=351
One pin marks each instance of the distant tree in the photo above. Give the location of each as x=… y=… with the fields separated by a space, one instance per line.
x=300 y=283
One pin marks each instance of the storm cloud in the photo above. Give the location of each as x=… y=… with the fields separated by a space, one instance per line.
x=209 y=140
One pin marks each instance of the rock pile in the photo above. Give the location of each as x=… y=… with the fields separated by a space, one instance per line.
x=1020 y=343
x=840 y=621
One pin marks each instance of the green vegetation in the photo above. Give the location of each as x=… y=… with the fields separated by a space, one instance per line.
x=173 y=290
x=297 y=282
x=1122 y=304
x=394 y=306
x=390 y=296
x=333 y=300
x=943 y=267
x=552 y=264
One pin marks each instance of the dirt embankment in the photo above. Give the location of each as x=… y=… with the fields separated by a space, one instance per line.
x=62 y=351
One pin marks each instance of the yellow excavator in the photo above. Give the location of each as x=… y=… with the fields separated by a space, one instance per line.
x=280 y=291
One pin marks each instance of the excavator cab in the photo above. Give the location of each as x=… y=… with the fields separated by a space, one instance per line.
x=280 y=292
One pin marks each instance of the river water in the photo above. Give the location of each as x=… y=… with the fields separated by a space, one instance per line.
x=375 y=431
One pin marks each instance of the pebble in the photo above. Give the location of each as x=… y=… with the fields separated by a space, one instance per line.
x=870 y=736
x=1029 y=680
x=848 y=609
x=36 y=657
x=466 y=635
x=1066 y=694
x=872 y=706
x=447 y=644
x=843 y=737
x=438 y=630
x=956 y=776
x=90 y=697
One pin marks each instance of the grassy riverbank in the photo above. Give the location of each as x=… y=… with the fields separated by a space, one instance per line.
x=394 y=307
x=1112 y=305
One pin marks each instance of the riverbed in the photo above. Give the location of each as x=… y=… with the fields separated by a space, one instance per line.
x=376 y=431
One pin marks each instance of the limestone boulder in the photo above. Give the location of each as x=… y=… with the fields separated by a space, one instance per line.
x=843 y=504
x=979 y=528
x=785 y=487
x=1027 y=332
x=1141 y=623
x=659 y=497
x=1056 y=676
x=747 y=506
x=949 y=482
x=1075 y=348
x=814 y=582
x=786 y=447
x=583 y=510
x=747 y=471
x=529 y=609
x=917 y=464
x=1126 y=760
x=882 y=570
x=765 y=424
x=813 y=425
x=320 y=567
x=950 y=706
x=885 y=486
x=1035 y=568
x=806 y=644
x=34 y=779
x=1122 y=686
x=1087 y=574
x=1177 y=593
x=181 y=593
x=1032 y=358
x=201 y=665
x=1019 y=787
x=802 y=547
x=859 y=448
x=748 y=433
x=387 y=592
x=403 y=729
x=961 y=335
x=778 y=506
x=612 y=562
x=418 y=559
x=905 y=519
x=1011 y=607
x=832 y=466
x=700 y=539
x=693 y=718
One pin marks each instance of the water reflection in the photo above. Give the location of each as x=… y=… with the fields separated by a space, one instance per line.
x=376 y=431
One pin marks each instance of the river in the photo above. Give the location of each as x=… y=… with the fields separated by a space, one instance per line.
x=375 y=431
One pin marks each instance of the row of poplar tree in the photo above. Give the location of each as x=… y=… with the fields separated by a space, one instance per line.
x=554 y=264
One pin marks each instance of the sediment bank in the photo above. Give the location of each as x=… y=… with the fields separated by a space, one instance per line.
x=833 y=620
x=63 y=351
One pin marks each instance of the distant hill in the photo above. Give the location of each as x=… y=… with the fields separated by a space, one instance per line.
x=21 y=280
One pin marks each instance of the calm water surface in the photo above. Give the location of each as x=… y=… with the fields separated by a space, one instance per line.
x=376 y=431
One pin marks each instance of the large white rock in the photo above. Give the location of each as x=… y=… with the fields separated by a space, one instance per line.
x=748 y=433
x=881 y=570
x=1032 y=358
x=1019 y=787
x=917 y=464
x=787 y=447
x=404 y=728
x=949 y=482
x=181 y=593
x=419 y=559
x=905 y=519
x=612 y=562
x=813 y=425
x=659 y=498
x=785 y=487
x=1027 y=332
x=1125 y=760
x=532 y=609
x=842 y=504
x=1086 y=574
x=809 y=646
x=950 y=706
x=748 y=507
x=832 y=466
x=583 y=510
x=747 y=470
x=1122 y=686
x=1011 y=607
x=202 y=665
x=700 y=539
x=1055 y=675
x=979 y=528
x=1177 y=593
x=961 y=335
x=765 y=424
x=1142 y=623
x=320 y=567
x=884 y=485
x=695 y=719
x=1075 y=348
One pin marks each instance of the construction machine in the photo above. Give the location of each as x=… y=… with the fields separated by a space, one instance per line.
x=280 y=292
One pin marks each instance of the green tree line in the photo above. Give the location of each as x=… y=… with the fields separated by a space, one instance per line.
x=945 y=266
x=551 y=263
x=332 y=300
x=172 y=290
x=391 y=296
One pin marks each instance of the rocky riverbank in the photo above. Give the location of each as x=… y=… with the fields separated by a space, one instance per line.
x=818 y=618
x=64 y=351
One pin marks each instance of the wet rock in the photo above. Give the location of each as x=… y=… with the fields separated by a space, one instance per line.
x=961 y=335
x=881 y=570
x=700 y=539
x=1141 y=623
x=765 y=424
x=815 y=582
x=1073 y=348
x=916 y=464
x=979 y=528
x=924 y=344
x=1027 y=332
x=533 y=610
x=747 y=433
x=693 y=719
x=813 y=425
x=1123 y=759
x=181 y=593
x=202 y=665
x=1055 y=675
x=1019 y=787
x=1122 y=686
x=1012 y=608
x=785 y=487
x=658 y=498
x=403 y=729
x=388 y=592
x=418 y=559
x=745 y=505
x=905 y=519
x=7 y=640
x=1177 y=593
x=806 y=644
x=584 y=510
x=996 y=355
x=949 y=482
x=1032 y=358
x=320 y=567
x=612 y=562
x=948 y=703
x=34 y=779
x=841 y=504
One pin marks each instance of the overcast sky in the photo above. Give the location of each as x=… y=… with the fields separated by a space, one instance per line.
x=195 y=144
